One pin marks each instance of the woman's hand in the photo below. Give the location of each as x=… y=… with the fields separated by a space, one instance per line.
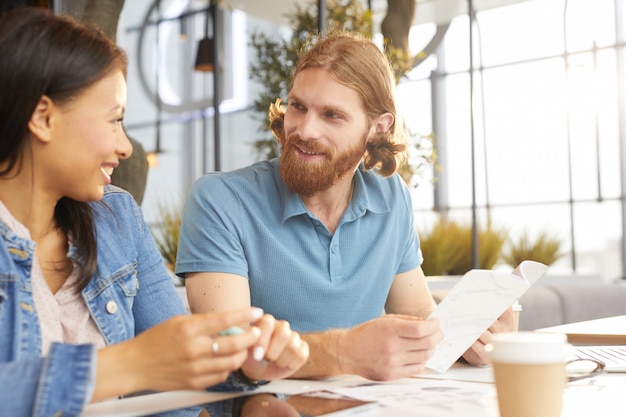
x=278 y=353
x=185 y=352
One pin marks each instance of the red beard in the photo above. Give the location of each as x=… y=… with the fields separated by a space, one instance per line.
x=308 y=178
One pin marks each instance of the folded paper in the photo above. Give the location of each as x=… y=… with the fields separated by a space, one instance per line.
x=473 y=304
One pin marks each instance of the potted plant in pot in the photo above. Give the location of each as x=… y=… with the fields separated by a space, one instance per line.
x=447 y=247
x=166 y=235
x=544 y=248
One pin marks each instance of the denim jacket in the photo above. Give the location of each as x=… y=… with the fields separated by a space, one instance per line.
x=130 y=293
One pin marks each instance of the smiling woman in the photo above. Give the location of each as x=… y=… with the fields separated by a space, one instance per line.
x=87 y=308
x=87 y=134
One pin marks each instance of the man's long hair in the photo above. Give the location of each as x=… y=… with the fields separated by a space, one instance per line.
x=357 y=63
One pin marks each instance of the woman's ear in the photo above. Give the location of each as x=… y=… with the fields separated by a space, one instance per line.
x=39 y=124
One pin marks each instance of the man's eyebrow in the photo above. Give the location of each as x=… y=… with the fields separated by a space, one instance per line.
x=325 y=107
x=341 y=110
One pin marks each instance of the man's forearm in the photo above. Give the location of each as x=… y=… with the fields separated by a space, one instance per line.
x=323 y=357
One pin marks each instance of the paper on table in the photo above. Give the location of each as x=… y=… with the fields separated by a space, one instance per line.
x=461 y=371
x=473 y=304
x=424 y=398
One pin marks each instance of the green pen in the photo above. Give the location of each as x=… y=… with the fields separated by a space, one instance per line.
x=231 y=331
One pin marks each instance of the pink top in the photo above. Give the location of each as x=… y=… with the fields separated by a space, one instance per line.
x=63 y=316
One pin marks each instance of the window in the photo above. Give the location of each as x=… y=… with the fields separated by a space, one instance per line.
x=546 y=139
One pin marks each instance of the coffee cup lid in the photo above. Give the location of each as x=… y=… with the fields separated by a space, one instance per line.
x=528 y=347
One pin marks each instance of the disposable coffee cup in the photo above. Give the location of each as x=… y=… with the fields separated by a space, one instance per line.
x=529 y=372
x=517 y=308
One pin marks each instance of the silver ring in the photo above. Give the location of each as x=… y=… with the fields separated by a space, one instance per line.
x=215 y=347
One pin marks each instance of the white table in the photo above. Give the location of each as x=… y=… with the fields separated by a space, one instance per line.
x=599 y=396
x=606 y=331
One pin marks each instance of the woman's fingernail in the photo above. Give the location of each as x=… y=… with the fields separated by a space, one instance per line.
x=259 y=353
x=257 y=313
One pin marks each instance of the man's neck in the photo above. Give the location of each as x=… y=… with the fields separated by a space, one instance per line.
x=329 y=205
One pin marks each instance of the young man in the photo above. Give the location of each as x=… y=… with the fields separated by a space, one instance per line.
x=324 y=236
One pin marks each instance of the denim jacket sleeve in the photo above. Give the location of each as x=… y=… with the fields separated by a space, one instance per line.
x=59 y=384
x=130 y=274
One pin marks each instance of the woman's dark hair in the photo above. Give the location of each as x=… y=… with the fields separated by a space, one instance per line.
x=56 y=56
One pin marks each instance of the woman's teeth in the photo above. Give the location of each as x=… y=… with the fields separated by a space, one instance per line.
x=107 y=171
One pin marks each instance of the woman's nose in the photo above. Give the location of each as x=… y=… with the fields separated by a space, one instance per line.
x=124 y=147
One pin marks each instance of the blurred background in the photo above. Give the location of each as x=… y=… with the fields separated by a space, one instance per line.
x=516 y=108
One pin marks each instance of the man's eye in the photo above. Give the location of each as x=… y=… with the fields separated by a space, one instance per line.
x=295 y=105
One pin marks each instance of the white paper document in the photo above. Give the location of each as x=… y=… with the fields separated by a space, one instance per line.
x=461 y=371
x=426 y=398
x=473 y=304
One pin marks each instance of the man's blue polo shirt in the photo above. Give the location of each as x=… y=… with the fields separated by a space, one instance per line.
x=247 y=222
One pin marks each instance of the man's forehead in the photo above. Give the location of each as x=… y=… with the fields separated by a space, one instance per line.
x=320 y=89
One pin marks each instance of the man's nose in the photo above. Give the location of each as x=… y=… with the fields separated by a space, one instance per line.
x=310 y=127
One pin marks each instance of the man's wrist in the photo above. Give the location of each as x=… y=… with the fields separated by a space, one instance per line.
x=340 y=357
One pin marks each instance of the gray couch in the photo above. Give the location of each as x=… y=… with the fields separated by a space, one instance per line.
x=546 y=305
x=553 y=305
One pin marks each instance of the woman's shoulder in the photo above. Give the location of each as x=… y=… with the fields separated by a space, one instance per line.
x=117 y=205
x=115 y=196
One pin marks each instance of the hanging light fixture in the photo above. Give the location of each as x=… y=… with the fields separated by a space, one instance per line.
x=204 y=56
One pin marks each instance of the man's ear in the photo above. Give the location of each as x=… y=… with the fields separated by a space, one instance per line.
x=39 y=124
x=382 y=124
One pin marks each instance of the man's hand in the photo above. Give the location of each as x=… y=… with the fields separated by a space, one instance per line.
x=476 y=354
x=389 y=347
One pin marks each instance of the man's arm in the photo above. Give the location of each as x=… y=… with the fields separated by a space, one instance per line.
x=409 y=295
x=215 y=292
x=212 y=292
x=382 y=349
x=390 y=347
x=279 y=351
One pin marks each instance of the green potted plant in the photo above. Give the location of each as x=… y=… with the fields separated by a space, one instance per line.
x=447 y=247
x=545 y=248
x=166 y=235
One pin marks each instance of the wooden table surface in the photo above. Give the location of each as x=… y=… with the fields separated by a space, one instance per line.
x=606 y=331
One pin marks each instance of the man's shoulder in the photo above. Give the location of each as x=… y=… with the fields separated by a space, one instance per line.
x=260 y=169
x=258 y=178
x=385 y=185
x=382 y=194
